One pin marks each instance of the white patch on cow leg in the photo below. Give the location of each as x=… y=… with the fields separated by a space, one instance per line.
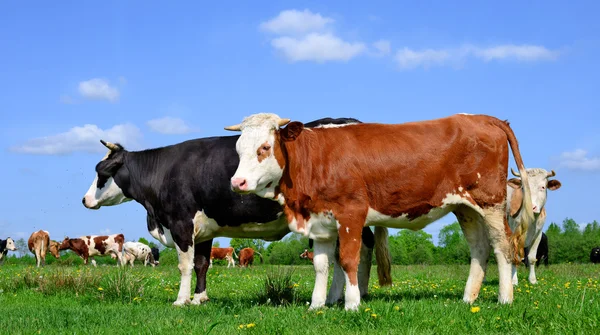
x=494 y=221
x=352 y=295
x=514 y=273
x=94 y=262
x=186 y=265
x=364 y=269
x=532 y=257
x=199 y=298
x=210 y=264
x=323 y=251
x=472 y=227
x=337 y=283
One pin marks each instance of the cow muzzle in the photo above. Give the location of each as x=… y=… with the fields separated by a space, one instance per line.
x=86 y=203
x=239 y=184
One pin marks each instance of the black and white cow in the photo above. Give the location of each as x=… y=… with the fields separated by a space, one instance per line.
x=185 y=189
x=595 y=255
x=155 y=254
x=5 y=246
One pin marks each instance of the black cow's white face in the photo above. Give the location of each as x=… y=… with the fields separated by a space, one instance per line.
x=104 y=191
x=10 y=244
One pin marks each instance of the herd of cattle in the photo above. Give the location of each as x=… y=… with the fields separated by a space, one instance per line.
x=329 y=180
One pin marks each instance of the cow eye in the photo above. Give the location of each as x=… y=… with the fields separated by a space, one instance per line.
x=543 y=187
x=266 y=147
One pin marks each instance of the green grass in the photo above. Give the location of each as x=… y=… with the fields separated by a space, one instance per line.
x=424 y=300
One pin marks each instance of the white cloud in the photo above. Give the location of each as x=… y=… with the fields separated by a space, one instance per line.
x=169 y=125
x=98 y=89
x=317 y=47
x=579 y=160
x=81 y=139
x=409 y=59
x=519 y=52
x=296 y=22
x=383 y=47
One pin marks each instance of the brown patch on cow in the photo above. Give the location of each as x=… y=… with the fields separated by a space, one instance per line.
x=77 y=245
x=279 y=152
x=221 y=253
x=120 y=239
x=307 y=255
x=263 y=152
x=246 y=257
x=516 y=201
x=100 y=244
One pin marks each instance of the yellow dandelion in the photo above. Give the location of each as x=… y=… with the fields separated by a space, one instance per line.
x=100 y=289
x=475 y=309
x=241 y=326
x=374 y=315
x=367 y=309
x=557 y=306
x=396 y=308
x=250 y=325
x=320 y=312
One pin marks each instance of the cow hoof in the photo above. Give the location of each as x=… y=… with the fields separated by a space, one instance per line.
x=200 y=298
x=180 y=303
x=352 y=307
x=533 y=281
x=316 y=306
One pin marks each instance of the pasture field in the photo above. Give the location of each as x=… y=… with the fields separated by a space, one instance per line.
x=423 y=300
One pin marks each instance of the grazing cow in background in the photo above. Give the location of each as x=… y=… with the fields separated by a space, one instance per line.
x=155 y=254
x=542 y=252
x=95 y=245
x=223 y=253
x=137 y=251
x=39 y=243
x=595 y=255
x=186 y=192
x=307 y=255
x=5 y=246
x=333 y=181
x=539 y=184
x=247 y=257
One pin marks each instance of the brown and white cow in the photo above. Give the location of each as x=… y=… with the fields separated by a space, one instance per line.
x=223 y=253
x=332 y=181
x=39 y=243
x=247 y=257
x=95 y=245
x=307 y=255
x=539 y=184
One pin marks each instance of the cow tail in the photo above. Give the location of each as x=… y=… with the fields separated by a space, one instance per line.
x=519 y=235
x=259 y=255
x=383 y=257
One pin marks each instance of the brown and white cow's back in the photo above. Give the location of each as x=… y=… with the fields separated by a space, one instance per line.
x=333 y=181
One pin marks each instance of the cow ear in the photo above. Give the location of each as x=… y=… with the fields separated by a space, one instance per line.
x=108 y=168
x=291 y=131
x=554 y=184
x=514 y=183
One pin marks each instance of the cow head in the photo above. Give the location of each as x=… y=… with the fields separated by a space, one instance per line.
x=10 y=244
x=105 y=190
x=261 y=157
x=304 y=254
x=539 y=184
x=54 y=249
x=65 y=244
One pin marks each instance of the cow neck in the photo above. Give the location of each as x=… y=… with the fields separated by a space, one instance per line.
x=297 y=203
x=145 y=177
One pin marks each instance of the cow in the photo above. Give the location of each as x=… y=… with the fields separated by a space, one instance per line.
x=595 y=255
x=5 y=246
x=186 y=192
x=307 y=255
x=155 y=254
x=137 y=251
x=223 y=253
x=333 y=181
x=39 y=244
x=95 y=245
x=539 y=184
x=541 y=254
x=247 y=257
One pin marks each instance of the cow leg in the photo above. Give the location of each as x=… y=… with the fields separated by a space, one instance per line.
x=337 y=284
x=495 y=221
x=201 y=257
x=184 y=245
x=350 y=245
x=94 y=262
x=364 y=267
x=38 y=258
x=471 y=225
x=210 y=264
x=323 y=251
x=364 y=271
x=532 y=258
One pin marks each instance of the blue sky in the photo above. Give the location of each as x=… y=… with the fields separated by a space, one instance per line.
x=148 y=74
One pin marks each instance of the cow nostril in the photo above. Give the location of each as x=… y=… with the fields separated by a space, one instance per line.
x=243 y=182
x=83 y=201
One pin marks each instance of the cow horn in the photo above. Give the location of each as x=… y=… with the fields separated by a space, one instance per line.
x=551 y=174
x=283 y=122
x=516 y=174
x=109 y=145
x=237 y=127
